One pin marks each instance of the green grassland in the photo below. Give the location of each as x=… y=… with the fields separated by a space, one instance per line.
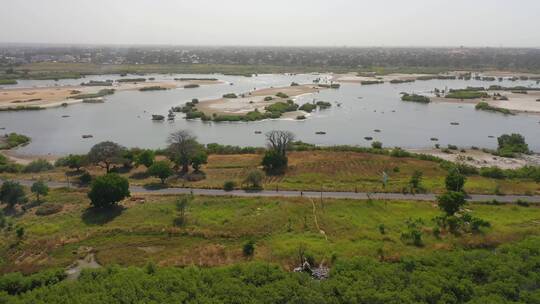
x=217 y=227
x=320 y=170
x=77 y=70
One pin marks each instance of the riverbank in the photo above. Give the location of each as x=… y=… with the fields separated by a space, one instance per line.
x=480 y=159
x=516 y=102
x=46 y=97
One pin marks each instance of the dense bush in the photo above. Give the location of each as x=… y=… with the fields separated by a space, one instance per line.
x=108 y=190
x=508 y=274
x=274 y=162
x=415 y=98
x=511 y=144
x=308 y=107
x=229 y=185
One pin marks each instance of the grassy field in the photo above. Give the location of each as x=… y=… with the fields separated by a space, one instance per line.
x=66 y=70
x=217 y=227
x=326 y=170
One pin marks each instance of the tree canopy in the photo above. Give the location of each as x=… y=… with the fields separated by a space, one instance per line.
x=107 y=190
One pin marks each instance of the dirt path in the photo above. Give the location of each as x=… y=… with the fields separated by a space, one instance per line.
x=316 y=221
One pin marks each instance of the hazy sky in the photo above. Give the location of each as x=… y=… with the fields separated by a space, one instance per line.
x=274 y=22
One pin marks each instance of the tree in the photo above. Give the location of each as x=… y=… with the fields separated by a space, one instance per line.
x=249 y=248
x=254 y=179
x=199 y=159
x=181 y=206
x=39 y=188
x=274 y=162
x=107 y=190
x=146 y=158
x=376 y=145
x=451 y=201
x=161 y=169
x=416 y=180
x=455 y=180
x=183 y=146
x=510 y=144
x=279 y=141
x=105 y=154
x=12 y=193
x=74 y=161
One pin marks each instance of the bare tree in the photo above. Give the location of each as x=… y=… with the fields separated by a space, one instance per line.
x=182 y=147
x=279 y=141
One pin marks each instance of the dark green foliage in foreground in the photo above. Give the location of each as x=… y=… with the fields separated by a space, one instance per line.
x=415 y=98
x=506 y=275
x=107 y=190
x=274 y=162
x=12 y=193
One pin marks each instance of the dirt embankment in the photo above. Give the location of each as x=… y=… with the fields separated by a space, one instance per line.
x=45 y=97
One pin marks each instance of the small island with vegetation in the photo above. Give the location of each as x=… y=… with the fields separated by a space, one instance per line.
x=415 y=98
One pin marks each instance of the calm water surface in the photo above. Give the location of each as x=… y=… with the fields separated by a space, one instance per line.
x=125 y=117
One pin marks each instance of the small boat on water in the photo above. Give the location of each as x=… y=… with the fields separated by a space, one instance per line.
x=258 y=132
x=320 y=133
x=87 y=136
x=158 y=117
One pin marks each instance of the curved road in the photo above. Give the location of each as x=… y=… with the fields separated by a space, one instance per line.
x=310 y=194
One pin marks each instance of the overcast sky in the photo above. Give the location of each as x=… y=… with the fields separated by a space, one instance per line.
x=274 y=22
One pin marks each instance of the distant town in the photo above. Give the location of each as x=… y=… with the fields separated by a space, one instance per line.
x=458 y=57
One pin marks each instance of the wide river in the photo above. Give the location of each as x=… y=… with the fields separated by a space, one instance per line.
x=125 y=117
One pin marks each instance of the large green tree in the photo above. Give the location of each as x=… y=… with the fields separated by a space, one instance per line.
x=455 y=181
x=108 y=190
x=39 y=188
x=106 y=153
x=183 y=146
x=451 y=201
x=12 y=193
x=161 y=169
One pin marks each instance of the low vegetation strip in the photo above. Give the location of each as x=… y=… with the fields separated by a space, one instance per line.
x=466 y=94
x=484 y=106
x=415 y=98
x=101 y=93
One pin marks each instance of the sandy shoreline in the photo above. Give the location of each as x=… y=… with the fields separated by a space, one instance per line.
x=517 y=103
x=46 y=97
x=255 y=100
x=479 y=158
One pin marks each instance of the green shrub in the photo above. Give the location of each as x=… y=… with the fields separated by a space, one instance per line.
x=38 y=165
x=230 y=95
x=229 y=185
x=308 y=107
